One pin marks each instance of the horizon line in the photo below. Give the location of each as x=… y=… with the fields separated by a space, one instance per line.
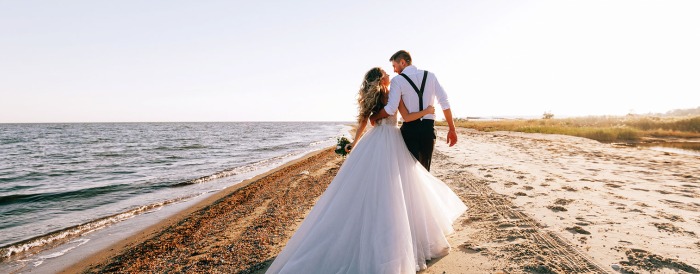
x=135 y=122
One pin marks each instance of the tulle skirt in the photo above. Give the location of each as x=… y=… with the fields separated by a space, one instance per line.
x=382 y=213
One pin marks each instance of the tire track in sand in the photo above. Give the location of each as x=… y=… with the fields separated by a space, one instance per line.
x=499 y=230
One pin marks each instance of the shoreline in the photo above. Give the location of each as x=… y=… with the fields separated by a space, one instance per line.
x=141 y=172
x=105 y=255
x=80 y=241
x=538 y=203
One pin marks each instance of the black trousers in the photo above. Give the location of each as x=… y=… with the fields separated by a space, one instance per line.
x=419 y=136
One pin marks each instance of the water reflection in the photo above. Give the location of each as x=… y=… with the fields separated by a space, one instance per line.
x=688 y=148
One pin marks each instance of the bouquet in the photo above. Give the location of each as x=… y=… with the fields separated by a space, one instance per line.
x=340 y=148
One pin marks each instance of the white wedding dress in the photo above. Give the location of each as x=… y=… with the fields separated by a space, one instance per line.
x=382 y=213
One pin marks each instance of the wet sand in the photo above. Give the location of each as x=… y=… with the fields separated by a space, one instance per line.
x=235 y=231
x=537 y=204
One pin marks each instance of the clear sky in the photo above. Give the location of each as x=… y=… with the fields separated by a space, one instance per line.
x=108 y=61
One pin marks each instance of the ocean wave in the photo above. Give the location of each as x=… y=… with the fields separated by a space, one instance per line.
x=12 y=141
x=236 y=170
x=280 y=147
x=113 y=154
x=86 y=193
x=319 y=142
x=63 y=235
x=195 y=146
x=55 y=174
x=184 y=147
x=9 y=199
x=7 y=189
x=31 y=176
x=91 y=193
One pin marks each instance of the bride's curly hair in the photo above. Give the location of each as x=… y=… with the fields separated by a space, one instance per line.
x=369 y=99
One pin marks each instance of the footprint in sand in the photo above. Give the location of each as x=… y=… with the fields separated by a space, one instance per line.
x=569 y=188
x=664 y=191
x=563 y=201
x=620 y=206
x=680 y=205
x=672 y=229
x=670 y=217
x=639 y=260
x=469 y=247
x=577 y=229
x=556 y=208
x=641 y=204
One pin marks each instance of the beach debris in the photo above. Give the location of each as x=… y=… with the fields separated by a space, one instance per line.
x=615 y=266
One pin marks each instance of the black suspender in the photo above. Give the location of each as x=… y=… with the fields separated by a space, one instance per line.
x=419 y=91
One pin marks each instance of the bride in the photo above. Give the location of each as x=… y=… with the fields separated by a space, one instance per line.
x=383 y=212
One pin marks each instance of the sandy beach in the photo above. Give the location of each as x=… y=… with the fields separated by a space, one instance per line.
x=537 y=204
x=235 y=231
x=554 y=203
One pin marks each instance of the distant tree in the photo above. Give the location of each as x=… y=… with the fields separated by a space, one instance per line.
x=547 y=115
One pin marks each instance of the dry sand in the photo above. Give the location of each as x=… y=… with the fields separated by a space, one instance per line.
x=537 y=204
x=565 y=204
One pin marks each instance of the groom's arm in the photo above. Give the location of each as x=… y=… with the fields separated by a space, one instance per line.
x=447 y=111
x=391 y=106
x=452 y=133
x=377 y=116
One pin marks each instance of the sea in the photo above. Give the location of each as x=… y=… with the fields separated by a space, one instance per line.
x=61 y=182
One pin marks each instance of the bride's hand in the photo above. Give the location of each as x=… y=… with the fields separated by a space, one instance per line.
x=429 y=110
x=349 y=147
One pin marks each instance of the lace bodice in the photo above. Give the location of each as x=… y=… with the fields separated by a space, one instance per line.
x=388 y=121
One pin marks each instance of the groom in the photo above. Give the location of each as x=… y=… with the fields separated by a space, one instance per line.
x=418 y=89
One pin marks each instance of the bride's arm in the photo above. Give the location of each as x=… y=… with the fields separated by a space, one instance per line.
x=408 y=117
x=358 y=134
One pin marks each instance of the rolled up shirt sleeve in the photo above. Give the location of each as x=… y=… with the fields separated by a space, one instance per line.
x=441 y=95
x=394 y=97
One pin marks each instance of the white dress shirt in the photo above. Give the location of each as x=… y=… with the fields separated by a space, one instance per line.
x=401 y=89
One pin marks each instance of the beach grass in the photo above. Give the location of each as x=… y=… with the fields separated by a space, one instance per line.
x=630 y=128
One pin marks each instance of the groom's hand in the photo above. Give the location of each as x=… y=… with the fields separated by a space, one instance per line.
x=452 y=137
x=377 y=116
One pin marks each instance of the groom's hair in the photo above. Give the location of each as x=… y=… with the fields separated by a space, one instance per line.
x=401 y=54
